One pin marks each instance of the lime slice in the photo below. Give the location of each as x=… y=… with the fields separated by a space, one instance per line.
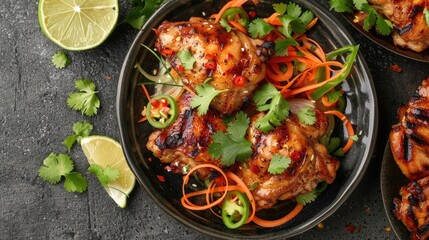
x=105 y=151
x=78 y=24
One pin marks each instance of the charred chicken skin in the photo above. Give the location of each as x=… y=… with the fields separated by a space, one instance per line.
x=408 y=18
x=185 y=143
x=409 y=139
x=310 y=161
x=409 y=142
x=219 y=54
x=413 y=208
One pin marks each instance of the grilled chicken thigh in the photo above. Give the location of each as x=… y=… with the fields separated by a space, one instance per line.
x=185 y=143
x=413 y=208
x=408 y=18
x=409 y=139
x=310 y=161
x=219 y=54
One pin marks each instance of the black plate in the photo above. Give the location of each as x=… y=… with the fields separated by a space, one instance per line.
x=361 y=110
x=391 y=181
x=387 y=42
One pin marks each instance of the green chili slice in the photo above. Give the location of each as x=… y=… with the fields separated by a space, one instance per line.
x=235 y=209
x=161 y=111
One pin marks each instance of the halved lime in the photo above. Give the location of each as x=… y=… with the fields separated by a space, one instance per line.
x=78 y=24
x=105 y=151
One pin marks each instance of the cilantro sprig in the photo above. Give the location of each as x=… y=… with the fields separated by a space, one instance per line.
x=80 y=129
x=86 y=99
x=309 y=197
x=231 y=146
x=140 y=12
x=60 y=60
x=373 y=19
x=104 y=175
x=205 y=94
x=57 y=166
x=268 y=98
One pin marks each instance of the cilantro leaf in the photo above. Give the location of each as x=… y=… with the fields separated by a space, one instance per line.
x=104 y=175
x=75 y=182
x=269 y=98
x=342 y=5
x=237 y=128
x=205 y=94
x=307 y=115
x=281 y=46
x=140 y=12
x=86 y=100
x=383 y=26
x=81 y=129
x=306 y=198
x=60 y=60
x=186 y=59
x=258 y=28
x=232 y=146
x=334 y=144
x=293 y=10
x=224 y=23
x=280 y=8
x=54 y=167
x=278 y=164
x=309 y=197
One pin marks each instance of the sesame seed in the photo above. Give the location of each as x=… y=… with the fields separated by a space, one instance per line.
x=178 y=39
x=204 y=13
x=242 y=49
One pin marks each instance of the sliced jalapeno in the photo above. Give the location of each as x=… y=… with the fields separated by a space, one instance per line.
x=235 y=209
x=161 y=111
x=238 y=14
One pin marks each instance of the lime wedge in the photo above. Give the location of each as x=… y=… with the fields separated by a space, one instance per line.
x=105 y=151
x=78 y=24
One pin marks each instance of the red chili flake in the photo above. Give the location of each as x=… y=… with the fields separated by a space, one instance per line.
x=230 y=56
x=209 y=56
x=239 y=80
x=255 y=169
x=350 y=228
x=161 y=178
x=166 y=51
x=210 y=65
x=108 y=78
x=180 y=68
x=396 y=68
x=149 y=159
x=154 y=103
x=252 y=14
x=296 y=156
x=220 y=181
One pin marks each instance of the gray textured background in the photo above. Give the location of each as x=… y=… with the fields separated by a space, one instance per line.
x=34 y=120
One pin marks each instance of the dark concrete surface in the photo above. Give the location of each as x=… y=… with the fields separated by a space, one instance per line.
x=34 y=120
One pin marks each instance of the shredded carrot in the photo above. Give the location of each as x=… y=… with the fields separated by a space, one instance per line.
x=273 y=19
x=142 y=119
x=278 y=222
x=312 y=23
x=146 y=92
x=327 y=103
x=348 y=125
x=185 y=198
x=237 y=26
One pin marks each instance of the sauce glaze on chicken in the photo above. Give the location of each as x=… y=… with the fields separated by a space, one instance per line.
x=409 y=142
x=408 y=19
x=185 y=142
x=233 y=52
